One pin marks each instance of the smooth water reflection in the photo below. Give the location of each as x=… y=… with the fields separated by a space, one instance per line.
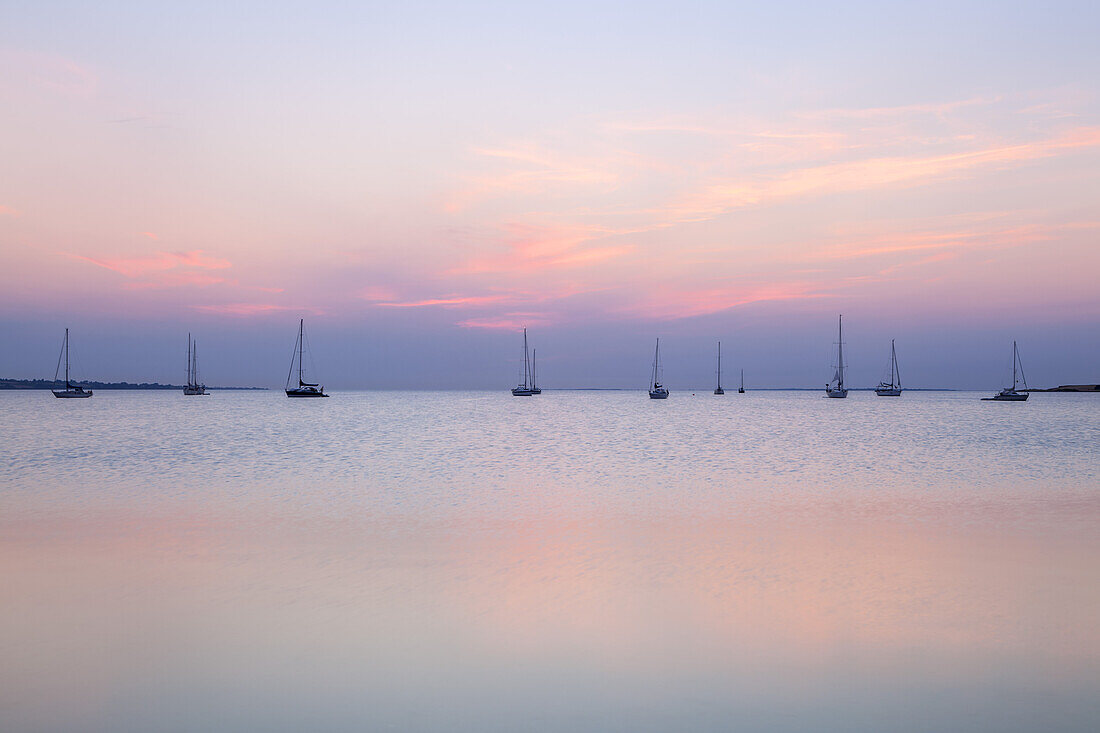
x=579 y=561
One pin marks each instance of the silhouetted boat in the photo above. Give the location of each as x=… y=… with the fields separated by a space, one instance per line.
x=71 y=390
x=839 y=390
x=893 y=388
x=526 y=388
x=304 y=389
x=718 y=389
x=1009 y=394
x=741 y=389
x=657 y=391
x=193 y=387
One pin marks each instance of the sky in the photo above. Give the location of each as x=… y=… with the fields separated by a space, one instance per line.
x=419 y=181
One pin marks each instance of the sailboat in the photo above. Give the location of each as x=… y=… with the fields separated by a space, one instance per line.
x=893 y=387
x=741 y=389
x=718 y=389
x=304 y=389
x=839 y=390
x=535 y=389
x=71 y=390
x=1009 y=394
x=657 y=391
x=193 y=387
x=526 y=388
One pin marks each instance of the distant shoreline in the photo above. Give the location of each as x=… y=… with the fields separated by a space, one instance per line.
x=32 y=384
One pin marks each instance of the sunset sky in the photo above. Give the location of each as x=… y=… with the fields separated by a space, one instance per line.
x=420 y=180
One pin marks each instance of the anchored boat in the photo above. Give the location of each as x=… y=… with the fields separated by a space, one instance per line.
x=304 y=388
x=893 y=387
x=836 y=387
x=193 y=386
x=657 y=391
x=71 y=390
x=718 y=389
x=1009 y=394
x=527 y=387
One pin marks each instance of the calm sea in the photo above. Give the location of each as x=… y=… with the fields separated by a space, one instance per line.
x=578 y=561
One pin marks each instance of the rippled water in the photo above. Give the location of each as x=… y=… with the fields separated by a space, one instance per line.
x=574 y=561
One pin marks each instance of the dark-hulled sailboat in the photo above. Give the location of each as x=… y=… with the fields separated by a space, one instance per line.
x=718 y=389
x=526 y=387
x=657 y=391
x=193 y=386
x=836 y=388
x=304 y=388
x=71 y=390
x=1010 y=394
x=893 y=387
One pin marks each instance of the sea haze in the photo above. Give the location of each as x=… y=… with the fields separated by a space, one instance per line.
x=587 y=561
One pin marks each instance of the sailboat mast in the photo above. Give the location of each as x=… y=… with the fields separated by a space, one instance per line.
x=66 y=358
x=188 y=360
x=1014 y=352
x=301 y=330
x=893 y=361
x=195 y=364
x=526 y=360
x=840 y=353
x=656 y=358
x=534 y=357
x=719 y=365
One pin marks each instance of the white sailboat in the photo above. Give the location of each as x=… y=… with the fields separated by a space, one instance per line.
x=71 y=390
x=836 y=387
x=893 y=387
x=193 y=386
x=718 y=389
x=657 y=391
x=525 y=388
x=304 y=389
x=1010 y=394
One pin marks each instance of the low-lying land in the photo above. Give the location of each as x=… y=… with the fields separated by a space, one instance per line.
x=50 y=384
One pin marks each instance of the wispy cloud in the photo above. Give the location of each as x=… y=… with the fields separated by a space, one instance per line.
x=448 y=302
x=159 y=262
x=507 y=322
x=253 y=309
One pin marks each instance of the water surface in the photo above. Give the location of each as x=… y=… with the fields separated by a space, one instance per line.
x=574 y=561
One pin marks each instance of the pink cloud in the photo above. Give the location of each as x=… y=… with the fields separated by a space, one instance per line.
x=8 y=211
x=160 y=262
x=150 y=235
x=449 y=302
x=533 y=247
x=251 y=309
x=671 y=304
x=509 y=322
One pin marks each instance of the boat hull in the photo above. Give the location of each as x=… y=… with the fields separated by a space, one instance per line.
x=194 y=391
x=305 y=393
x=888 y=392
x=521 y=392
x=838 y=394
x=71 y=394
x=659 y=394
x=1017 y=397
x=741 y=391
x=719 y=391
